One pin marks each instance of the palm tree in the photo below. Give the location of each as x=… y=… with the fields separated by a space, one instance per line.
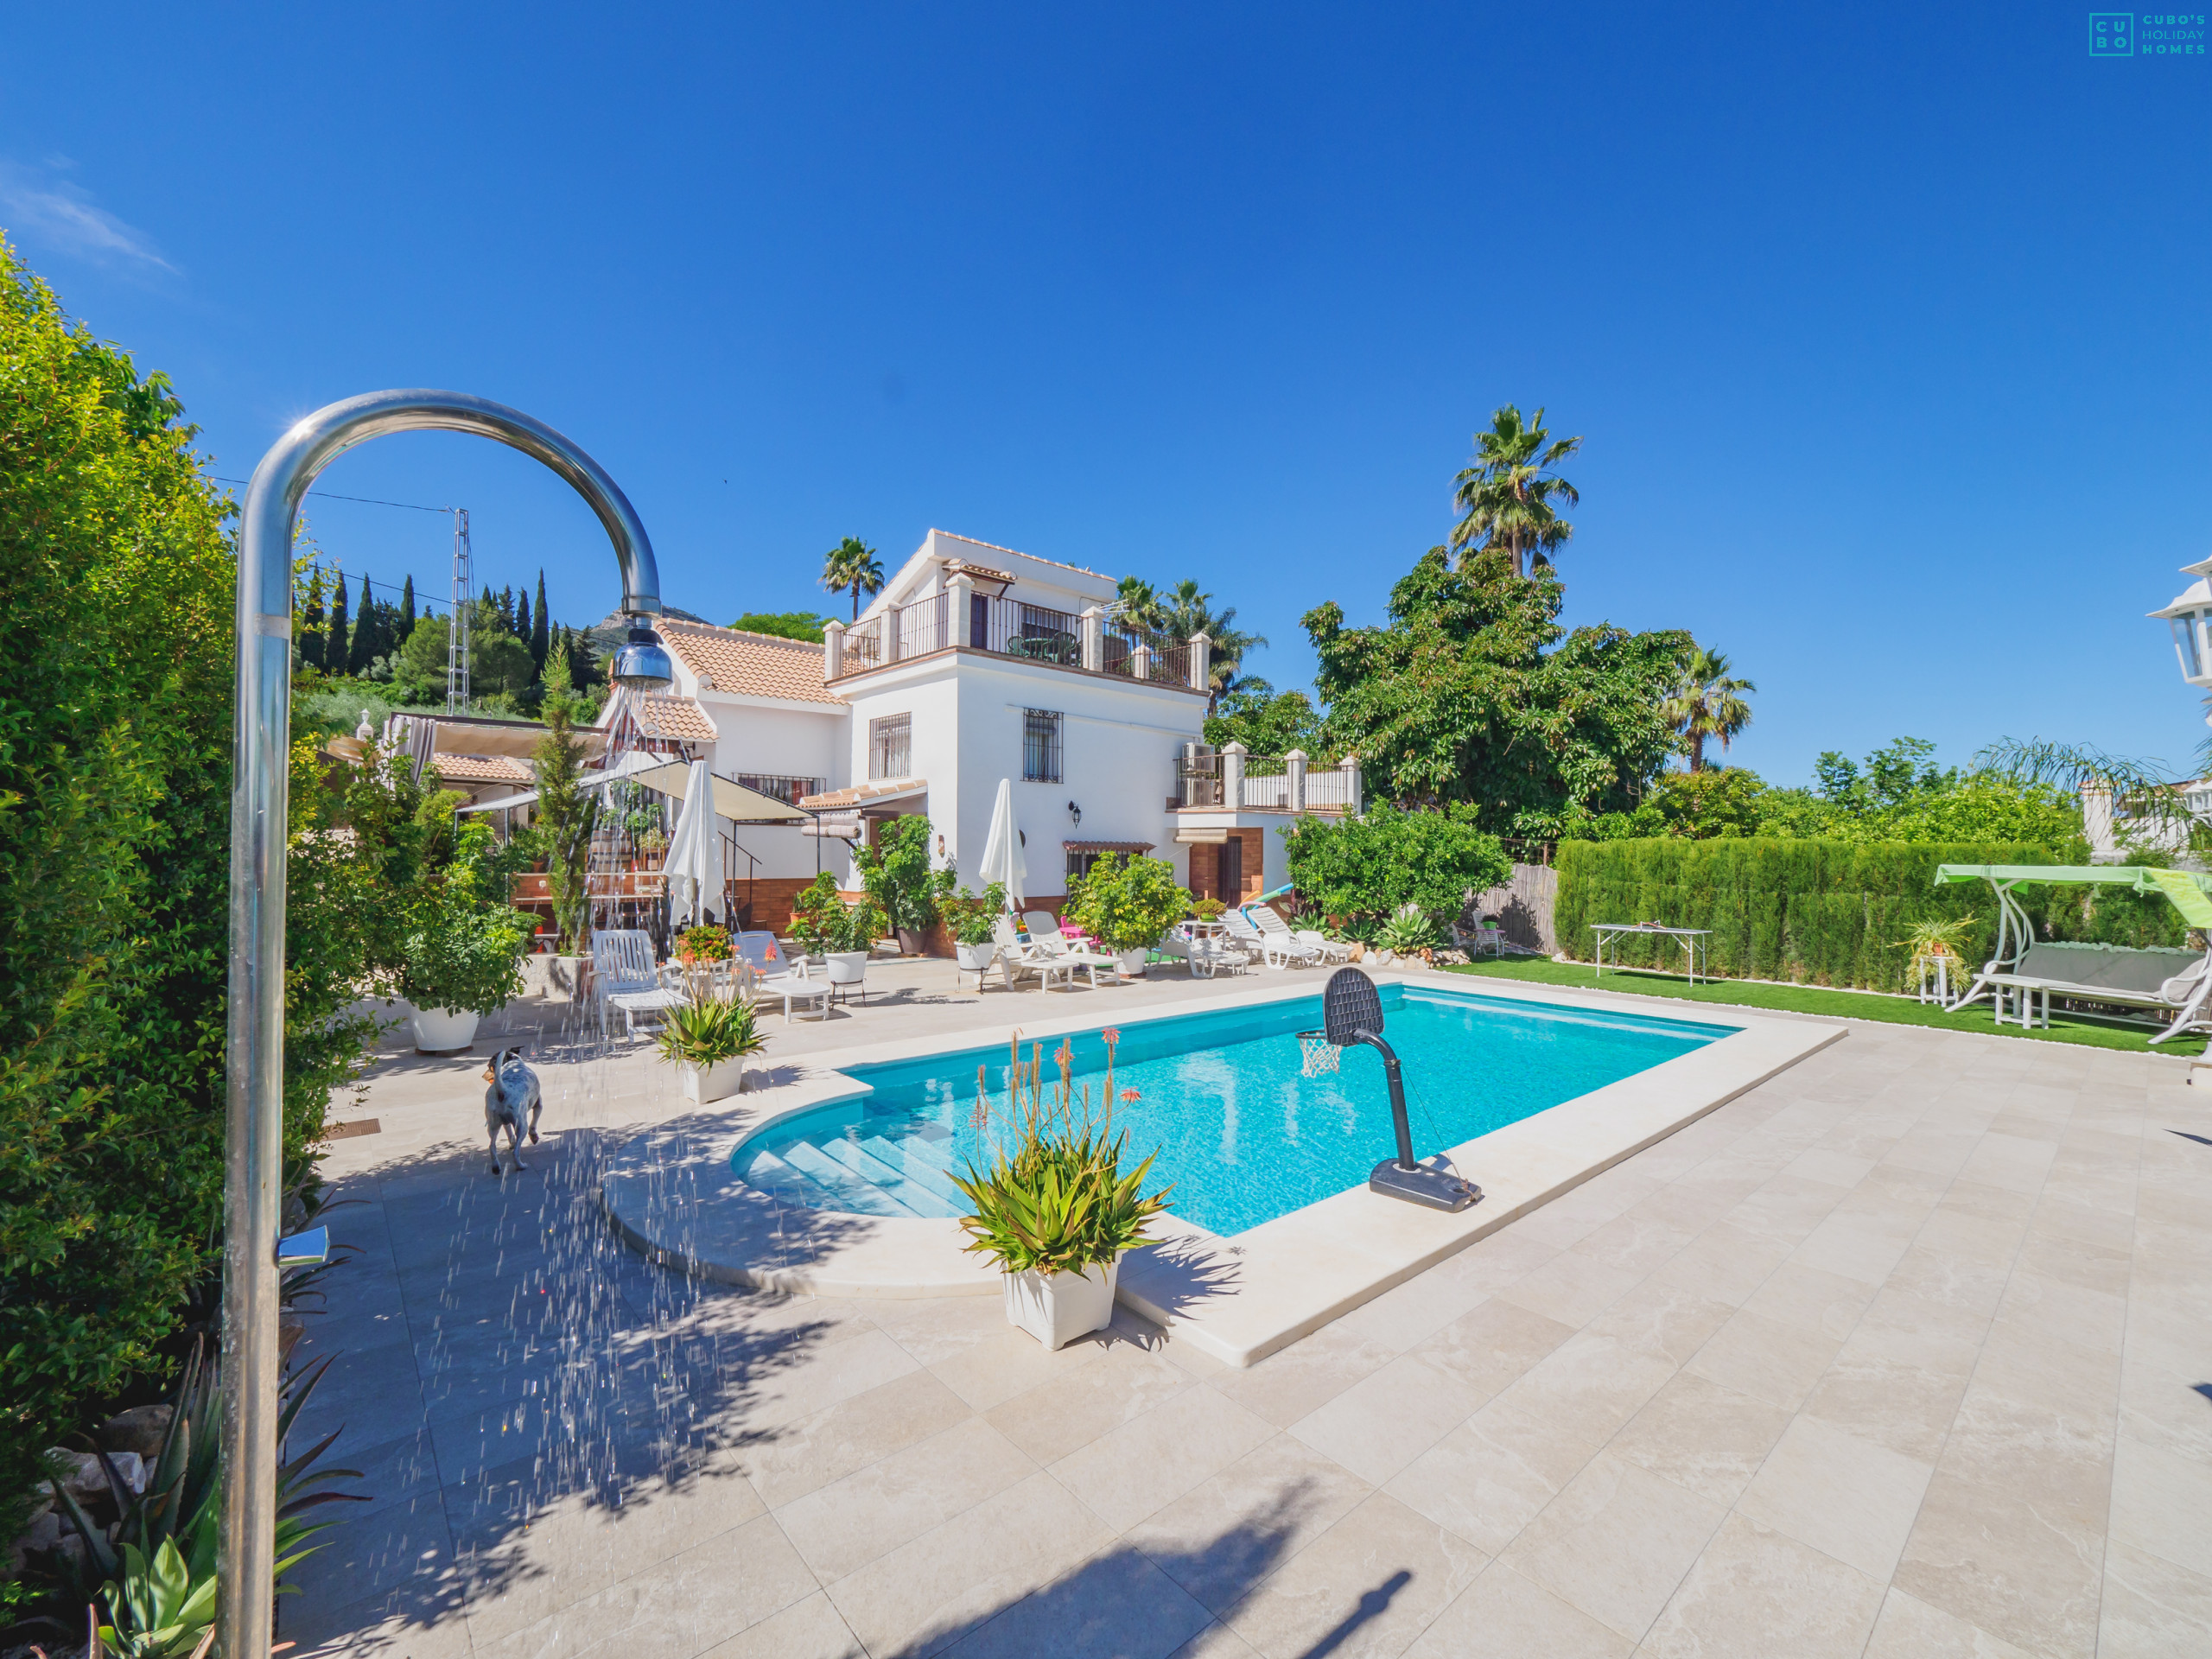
x=1185 y=611
x=1706 y=702
x=1137 y=604
x=1506 y=494
x=853 y=564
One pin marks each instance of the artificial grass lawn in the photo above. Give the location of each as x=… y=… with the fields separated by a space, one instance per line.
x=1839 y=1005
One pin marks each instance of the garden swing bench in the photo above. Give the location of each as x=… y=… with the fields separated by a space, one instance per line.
x=2027 y=972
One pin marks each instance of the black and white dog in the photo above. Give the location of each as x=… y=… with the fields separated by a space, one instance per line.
x=514 y=1092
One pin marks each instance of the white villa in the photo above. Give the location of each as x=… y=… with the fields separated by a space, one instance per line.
x=974 y=664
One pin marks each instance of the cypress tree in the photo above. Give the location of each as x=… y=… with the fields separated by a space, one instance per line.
x=334 y=644
x=540 y=642
x=368 y=634
x=310 y=640
x=406 y=610
x=522 y=618
x=506 y=610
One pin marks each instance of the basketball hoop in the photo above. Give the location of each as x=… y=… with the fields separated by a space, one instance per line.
x=1320 y=1054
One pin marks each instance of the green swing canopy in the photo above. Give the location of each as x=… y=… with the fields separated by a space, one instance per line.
x=2185 y=889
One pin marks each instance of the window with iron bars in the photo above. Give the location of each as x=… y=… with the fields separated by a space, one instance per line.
x=890 y=747
x=1041 y=745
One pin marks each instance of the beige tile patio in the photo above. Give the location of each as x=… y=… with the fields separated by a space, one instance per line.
x=1502 y=1612
x=1758 y=1595
x=1140 y=1468
x=1701 y=1436
x=1850 y=1498
x=1373 y=1582
x=1615 y=1542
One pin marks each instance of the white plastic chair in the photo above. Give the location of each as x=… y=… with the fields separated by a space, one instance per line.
x=624 y=976
x=846 y=973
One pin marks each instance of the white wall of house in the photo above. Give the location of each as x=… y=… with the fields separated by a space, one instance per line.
x=761 y=735
x=1118 y=740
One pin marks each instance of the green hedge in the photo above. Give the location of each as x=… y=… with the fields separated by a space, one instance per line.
x=1822 y=913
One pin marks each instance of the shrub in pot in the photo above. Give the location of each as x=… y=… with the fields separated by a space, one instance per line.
x=1055 y=1212
x=1126 y=903
x=901 y=882
x=460 y=961
x=709 y=1040
x=973 y=923
x=826 y=925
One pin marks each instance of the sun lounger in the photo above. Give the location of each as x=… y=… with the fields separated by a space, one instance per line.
x=1274 y=946
x=1016 y=956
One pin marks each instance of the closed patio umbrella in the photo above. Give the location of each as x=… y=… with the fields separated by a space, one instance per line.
x=694 y=859
x=1002 y=859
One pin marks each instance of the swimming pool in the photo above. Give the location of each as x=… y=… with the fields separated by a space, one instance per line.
x=1240 y=1132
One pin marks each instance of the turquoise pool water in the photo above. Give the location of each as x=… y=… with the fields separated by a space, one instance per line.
x=1243 y=1135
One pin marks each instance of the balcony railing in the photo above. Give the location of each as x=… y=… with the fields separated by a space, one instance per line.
x=789 y=791
x=1197 y=780
x=1011 y=627
x=1266 y=783
x=1328 y=789
x=1034 y=632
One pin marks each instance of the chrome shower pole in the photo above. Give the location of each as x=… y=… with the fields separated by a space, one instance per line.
x=254 y=1054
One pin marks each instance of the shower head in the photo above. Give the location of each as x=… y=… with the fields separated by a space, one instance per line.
x=642 y=663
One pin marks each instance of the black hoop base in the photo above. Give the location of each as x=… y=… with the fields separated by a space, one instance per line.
x=1432 y=1189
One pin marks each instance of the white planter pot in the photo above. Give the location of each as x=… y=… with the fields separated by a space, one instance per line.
x=705 y=1083
x=444 y=1031
x=974 y=958
x=1130 y=964
x=1056 y=1308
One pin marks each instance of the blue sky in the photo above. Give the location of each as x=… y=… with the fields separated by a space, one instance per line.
x=1885 y=326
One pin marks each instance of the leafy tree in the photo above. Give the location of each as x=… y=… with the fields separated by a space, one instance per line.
x=1706 y=702
x=1265 y=722
x=541 y=622
x=115 y=775
x=335 y=642
x=853 y=565
x=897 y=876
x=784 y=624
x=1357 y=871
x=1474 y=693
x=1712 y=801
x=1506 y=492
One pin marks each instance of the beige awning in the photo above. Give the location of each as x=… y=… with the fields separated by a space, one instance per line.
x=1201 y=837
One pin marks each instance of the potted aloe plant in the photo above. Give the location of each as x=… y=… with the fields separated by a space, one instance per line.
x=1055 y=1210
x=1126 y=903
x=708 y=1042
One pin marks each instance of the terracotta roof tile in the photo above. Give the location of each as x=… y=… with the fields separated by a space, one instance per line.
x=861 y=794
x=750 y=665
x=678 y=718
x=466 y=769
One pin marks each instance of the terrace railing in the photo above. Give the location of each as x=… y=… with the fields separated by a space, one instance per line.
x=1157 y=657
x=1328 y=789
x=1198 y=780
x=1267 y=782
x=863 y=650
x=789 y=791
x=923 y=627
x=1035 y=632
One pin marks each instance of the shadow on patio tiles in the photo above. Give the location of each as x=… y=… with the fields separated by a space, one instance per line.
x=584 y=1378
x=1142 y=1604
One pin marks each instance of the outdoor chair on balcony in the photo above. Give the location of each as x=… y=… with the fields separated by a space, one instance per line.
x=625 y=978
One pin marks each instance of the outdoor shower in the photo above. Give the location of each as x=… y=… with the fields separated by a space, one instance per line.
x=254 y=1052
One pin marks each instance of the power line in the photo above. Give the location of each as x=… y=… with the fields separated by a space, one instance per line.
x=330 y=495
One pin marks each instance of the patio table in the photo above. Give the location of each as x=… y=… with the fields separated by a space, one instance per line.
x=1693 y=940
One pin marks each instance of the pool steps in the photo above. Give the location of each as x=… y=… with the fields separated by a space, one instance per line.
x=908 y=1177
